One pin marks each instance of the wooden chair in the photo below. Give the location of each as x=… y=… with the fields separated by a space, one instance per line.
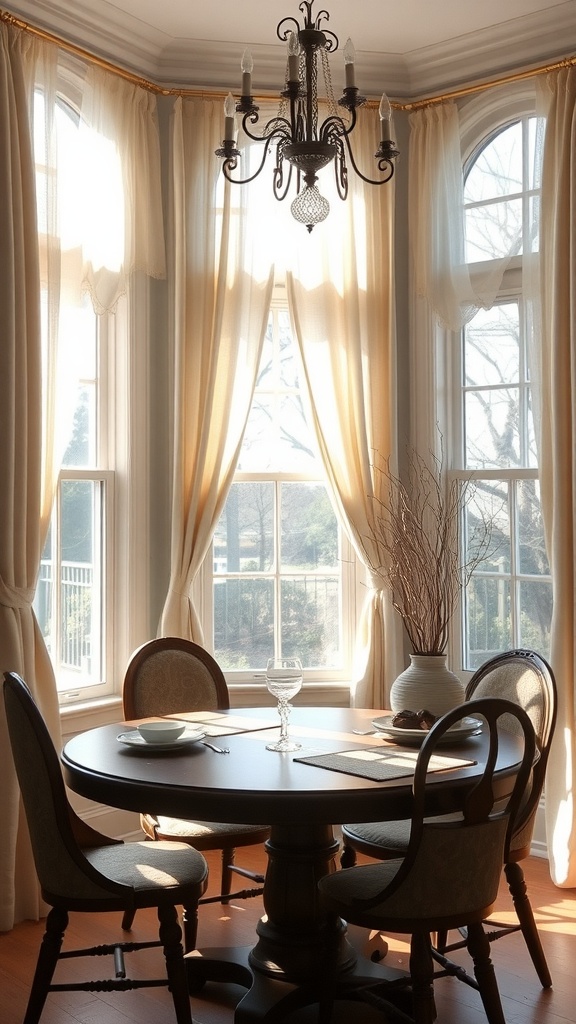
x=165 y=676
x=525 y=678
x=81 y=870
x=447 y=878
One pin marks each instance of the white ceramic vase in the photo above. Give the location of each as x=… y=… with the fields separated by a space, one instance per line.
x=428 y=684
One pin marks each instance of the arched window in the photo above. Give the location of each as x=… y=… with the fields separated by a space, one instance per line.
x=509 y=599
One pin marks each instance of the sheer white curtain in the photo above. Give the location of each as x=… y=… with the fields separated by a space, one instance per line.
x=223 y=282
x=436 y=222
x=117 y=226
x=340 y=290
x=555 y=375
x=35 y=384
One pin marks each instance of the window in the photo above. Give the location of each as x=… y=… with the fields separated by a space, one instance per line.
x=71 y=593
x=509 y=599
x=92 y=593
x=281 y=566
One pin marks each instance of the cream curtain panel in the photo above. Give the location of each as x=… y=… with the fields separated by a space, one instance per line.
x=436 y=222
x=340 y=291
x=78 y=253
x=222 y=291
x=557 y=375
x=22 y=647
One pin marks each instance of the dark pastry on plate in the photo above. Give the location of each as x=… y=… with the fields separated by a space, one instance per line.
x=426 y=719
x=406 y=720
x=414 y=720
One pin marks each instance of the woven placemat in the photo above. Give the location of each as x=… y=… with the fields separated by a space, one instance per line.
x=380 y=766
x=216 y=724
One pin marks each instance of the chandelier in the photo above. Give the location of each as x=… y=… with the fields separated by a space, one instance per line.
x=301 y=143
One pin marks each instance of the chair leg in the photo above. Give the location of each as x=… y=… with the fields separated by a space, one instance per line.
x=441 y=941
x=348 y=856
x=517 y=886
x=56 y=924
x=228 y=855
x=421 y=977
x=478 y=946
x=128 y=920
x=171 y=939
x=190 y=926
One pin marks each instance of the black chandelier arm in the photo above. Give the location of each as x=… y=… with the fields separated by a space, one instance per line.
x=278 y=127
x=334 y=127
x=340 y=168
x=385 y=162
x=284 y=33
x=278 y=187
x=230 y=164
x=311 y=34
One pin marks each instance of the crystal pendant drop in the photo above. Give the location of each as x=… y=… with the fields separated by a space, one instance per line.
x=310 y=207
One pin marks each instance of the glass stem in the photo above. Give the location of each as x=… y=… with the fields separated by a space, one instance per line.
x=283 y=711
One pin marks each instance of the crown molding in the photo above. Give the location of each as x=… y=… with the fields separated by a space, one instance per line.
x=130 y=43
x=519 y=44
x=216 y=66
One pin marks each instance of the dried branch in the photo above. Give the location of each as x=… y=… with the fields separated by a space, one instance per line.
x=412 y=548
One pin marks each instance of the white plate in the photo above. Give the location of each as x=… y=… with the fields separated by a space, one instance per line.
x=466 y=727
x=132 y=738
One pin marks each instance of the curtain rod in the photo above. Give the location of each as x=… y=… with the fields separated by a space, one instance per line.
x=174 y=91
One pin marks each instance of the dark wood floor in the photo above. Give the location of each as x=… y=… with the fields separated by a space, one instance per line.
x=523 y=999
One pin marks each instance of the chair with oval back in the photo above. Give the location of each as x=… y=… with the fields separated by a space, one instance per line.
x=81 y=870
x=170 y=675
x=448 y=875
x=525 y=678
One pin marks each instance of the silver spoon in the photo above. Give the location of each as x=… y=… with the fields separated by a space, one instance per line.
x=219 y=750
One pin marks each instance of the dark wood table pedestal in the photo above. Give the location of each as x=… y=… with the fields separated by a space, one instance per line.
x=282 y=972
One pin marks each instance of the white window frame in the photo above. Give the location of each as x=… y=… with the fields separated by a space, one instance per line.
x=435 y=352
x=123 y=467
x=481 y=119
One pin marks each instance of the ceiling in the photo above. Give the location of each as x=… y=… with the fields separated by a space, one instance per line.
x=411 y=44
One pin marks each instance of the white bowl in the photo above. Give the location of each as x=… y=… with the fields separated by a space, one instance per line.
x=161 y=732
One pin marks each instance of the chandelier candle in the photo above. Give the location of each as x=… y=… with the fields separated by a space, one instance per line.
x=301 y=142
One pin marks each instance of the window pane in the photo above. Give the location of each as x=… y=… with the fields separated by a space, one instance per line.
x=69 y=597
x=309 y=528
x=497 y=170
x=492 y=346
x=243 y=623
x=266 y=369
x=488 y=504
x=488 y=626
x=244 y=537
x=81 y=449
x=309 y=611
x=276 y=437
x=532 y=557
x=535 y=615
x=492 y=428
x=494 y=230
x=289 y=366
x=80 y=580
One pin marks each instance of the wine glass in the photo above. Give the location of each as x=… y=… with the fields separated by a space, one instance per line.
x=284 y=679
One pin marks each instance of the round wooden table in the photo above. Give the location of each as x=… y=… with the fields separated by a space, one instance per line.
x=300 y=802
